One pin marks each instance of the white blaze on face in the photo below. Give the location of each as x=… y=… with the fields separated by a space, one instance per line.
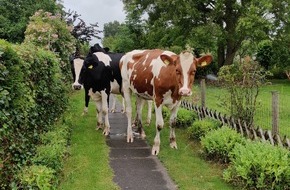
x=186 y=60
x=78 y=63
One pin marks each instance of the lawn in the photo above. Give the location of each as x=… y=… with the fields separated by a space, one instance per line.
x=263 y=116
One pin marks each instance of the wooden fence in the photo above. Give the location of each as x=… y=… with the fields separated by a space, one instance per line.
x=240 y=126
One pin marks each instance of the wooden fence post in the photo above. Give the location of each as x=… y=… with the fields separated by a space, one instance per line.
x=202 y=85
x=275 y=113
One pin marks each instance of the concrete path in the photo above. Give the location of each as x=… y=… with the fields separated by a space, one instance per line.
x=134 y=166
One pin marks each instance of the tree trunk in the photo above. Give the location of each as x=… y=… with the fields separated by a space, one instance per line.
x=221 y=54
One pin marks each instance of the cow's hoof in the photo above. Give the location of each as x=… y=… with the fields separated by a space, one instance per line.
x=148 y=122
x=143 y=135
x=155 y=150
x=98 y=128
x=106 y=133
x=130 y=138
x=173 y=145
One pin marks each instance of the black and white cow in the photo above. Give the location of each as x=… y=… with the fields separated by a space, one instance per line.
x=100 y=75
x=76 y=65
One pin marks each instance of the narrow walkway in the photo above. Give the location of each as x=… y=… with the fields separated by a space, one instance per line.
x=134 y=166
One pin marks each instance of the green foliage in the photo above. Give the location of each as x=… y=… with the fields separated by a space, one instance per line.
x=52 y=149
x=122 y=41
x=217 y=144
x=265 y=54
x=32 y=97
x=15 y=16
x=37 y=177
x=185 y=117
x=201 y=127
x=259 y=165
x=52 y=33
x=242 y=81
x=16 y=105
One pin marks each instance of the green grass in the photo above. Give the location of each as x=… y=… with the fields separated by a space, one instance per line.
x=263 y=117
x=186 y=165
x=87 y=166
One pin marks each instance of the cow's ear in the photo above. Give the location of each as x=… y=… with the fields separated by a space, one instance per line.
x=107 y=49
x=168 y=59
x=203 y=61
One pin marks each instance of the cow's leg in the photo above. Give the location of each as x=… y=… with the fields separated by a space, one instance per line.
x=99 y=115
x=105 y=111
x=87 y=100
x=127 y=94
x=123 y=110
x=138 y=119
x=113 y=108
x=159 y=126
x=149 y=112
x=172 y=124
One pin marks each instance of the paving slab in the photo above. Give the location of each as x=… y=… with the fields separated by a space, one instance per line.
x=133 y=165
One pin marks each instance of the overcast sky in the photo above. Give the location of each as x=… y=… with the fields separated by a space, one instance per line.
x=100 y=11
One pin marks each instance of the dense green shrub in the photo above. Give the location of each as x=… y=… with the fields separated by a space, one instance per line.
x=32 y=97
x=185 y=117
x=259 y=165
x=217 y=144
x=52 y=149
x=17 y=102
x=201 y=127
x=52 y=33
x=37 y=177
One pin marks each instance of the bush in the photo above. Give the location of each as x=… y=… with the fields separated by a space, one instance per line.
x=32 y=98
x=185 y=117
x=219 y=143
x=53 y=148
x=259 y=165
x=201 y=127
x=37 y=177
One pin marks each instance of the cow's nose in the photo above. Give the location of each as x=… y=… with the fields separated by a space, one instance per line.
x=77 y=87
x=184 y=92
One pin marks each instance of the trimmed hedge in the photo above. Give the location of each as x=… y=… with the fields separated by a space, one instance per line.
x=32 y=97
x=199 y=128
x=259 y=165
x=184 y=117
x=217 y=144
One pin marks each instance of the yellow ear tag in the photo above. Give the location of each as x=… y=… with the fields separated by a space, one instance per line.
x=90 y=67
x=166 y=62
x=204 y=63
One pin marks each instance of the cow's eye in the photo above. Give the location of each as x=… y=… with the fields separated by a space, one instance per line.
x=193 y=72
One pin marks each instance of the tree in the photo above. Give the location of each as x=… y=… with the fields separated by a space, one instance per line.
x=15 y=16
x=118 y=37
x=81 y=31
x=229 y=22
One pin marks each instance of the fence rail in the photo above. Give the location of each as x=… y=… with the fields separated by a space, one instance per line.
x=240 y=126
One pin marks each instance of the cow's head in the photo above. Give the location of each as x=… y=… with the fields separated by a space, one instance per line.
x=185 y=65
x=76 y=65
x=98 y=48
x=95 y=71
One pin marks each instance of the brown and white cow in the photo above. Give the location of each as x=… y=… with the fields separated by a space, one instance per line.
x=161 y=76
